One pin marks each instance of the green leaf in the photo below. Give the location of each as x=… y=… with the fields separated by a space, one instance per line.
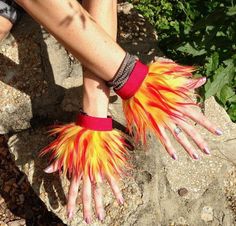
x=213 y=63
x=187 y=48
x=232 y=112
x=219 y=80
x=231 y=11
x=232 y=99
x=226 y=93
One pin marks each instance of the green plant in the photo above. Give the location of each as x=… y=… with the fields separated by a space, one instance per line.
x=201 y=33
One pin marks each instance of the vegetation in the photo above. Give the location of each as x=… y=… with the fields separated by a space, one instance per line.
x=201 y=33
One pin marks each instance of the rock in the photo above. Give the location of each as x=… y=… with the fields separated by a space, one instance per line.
x=125 y=7
x=160 y=190
x=2 y=223
x=57 y=57
x=183 y=191
x=207 y=214
x=37 y=71
x=17 y=223
x=136 y=35
x=15 y=109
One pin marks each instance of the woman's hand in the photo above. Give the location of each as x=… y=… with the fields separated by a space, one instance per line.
x=88 y=189
x=180 y=128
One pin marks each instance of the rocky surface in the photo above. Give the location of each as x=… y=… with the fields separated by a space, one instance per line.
x=160 y=191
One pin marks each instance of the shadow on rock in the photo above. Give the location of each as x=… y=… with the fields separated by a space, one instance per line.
x=18 y=194
x=26 y=67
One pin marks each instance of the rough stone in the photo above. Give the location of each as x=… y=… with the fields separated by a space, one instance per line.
x=152 y=192
x=125 y=7
x=38 y=71
x=15 y=109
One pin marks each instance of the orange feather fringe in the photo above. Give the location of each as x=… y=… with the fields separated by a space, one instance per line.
x=165 y=90
x=81 y=151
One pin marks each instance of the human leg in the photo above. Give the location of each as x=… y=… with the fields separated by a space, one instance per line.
x=5 y=27
x=95 y=92
x=8 y=16
x=95 y=103
x=79 y=33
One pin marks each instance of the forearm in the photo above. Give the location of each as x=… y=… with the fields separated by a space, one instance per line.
x=95 y=92
x=79 y=33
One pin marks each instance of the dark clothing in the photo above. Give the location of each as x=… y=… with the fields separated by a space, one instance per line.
x=10 y=10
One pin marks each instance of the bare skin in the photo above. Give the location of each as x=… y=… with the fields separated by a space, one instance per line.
x=82 y=35
x=72 y=25
x=5 y=27
x=95 y=103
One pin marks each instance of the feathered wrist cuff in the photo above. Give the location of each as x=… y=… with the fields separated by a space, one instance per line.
x=89 y=147
x=153 y=95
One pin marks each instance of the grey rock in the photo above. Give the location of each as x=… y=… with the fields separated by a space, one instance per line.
x=38 y=71
x=17 y=223
x=15 y=109
x=58 y=59
x=152 y=193
x=3 y=223
x=125 y=7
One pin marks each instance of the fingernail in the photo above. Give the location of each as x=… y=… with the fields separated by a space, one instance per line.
x=174 y=156
x=203 y=80
x=70 y=215
x=121 y=200
x=88 y=220
x=218 y=132
x=206 y=150
x=100 y=216
x=48 y=169
x=195 y=156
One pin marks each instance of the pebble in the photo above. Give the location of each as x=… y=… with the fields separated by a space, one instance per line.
x=207 y=214
x=2 y=223
x=17 y=223
x=183 y=191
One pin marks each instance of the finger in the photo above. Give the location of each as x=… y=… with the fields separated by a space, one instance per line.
x=72 y=195
x=86 y=199
x=194 y=134
x=182 y=139
x=97 y=191
x=167 y=143
x=52 y=168
x=198 y=82
x=116 y=190
x=201 y=119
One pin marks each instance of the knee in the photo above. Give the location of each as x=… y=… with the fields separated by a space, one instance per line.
x=5 y=27
x=22 y=3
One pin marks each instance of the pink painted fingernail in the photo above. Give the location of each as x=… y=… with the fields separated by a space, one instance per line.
x=121 y=200
x=174 y=156
x=218 y=132
x=203 y=80
x=88 y=220
x=48 y=169
x=206 y=150
x=70 y=214
x=195 y=156
x=100 y=216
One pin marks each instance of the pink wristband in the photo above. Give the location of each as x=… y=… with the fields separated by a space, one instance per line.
x=94 y=123
x=134 y=82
